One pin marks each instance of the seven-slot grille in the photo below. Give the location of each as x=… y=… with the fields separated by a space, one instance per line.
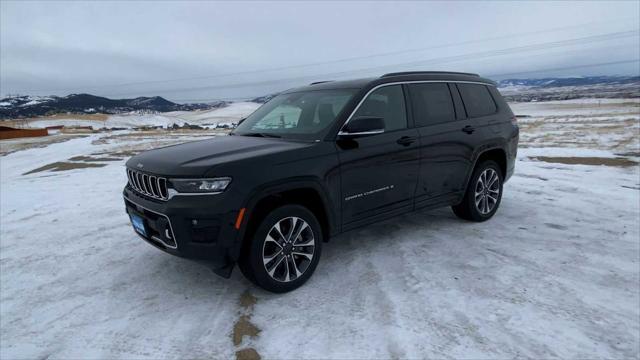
x=149 y=185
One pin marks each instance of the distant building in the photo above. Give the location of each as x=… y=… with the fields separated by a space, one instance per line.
x=7 y=132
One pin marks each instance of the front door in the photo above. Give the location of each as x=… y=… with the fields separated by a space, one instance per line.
x=379 y=172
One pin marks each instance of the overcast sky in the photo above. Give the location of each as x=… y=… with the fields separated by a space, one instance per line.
x=198 y=51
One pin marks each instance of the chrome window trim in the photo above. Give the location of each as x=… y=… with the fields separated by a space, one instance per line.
x=173 y=235
x=361 y=133
x=402 y=83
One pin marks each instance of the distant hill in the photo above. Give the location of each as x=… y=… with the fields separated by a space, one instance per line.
x=264 y=99
x=30 y=106
x=546 y=89
x=570 y=81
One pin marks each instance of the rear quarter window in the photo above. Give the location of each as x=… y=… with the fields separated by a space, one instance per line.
x=477 y=100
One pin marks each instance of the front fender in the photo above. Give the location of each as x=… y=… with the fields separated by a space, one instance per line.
x=280 y=186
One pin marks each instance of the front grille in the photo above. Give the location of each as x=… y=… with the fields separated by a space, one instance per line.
x=149 y=185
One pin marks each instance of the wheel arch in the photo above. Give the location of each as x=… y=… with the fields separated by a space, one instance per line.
x=309 y=193
x=496 y=153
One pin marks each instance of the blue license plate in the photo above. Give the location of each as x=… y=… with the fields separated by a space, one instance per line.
x=138 y=224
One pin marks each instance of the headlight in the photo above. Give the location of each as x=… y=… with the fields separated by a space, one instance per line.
x=201 y=185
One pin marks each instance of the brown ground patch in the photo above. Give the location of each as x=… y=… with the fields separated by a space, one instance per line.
x=247 y=354
x=244 y=327
x=247 y=300
x=120 y=153
x=89 y=158
x=620 y=162
x=13 y=145
x=78 y=131
x=26 y=121
x=630 y=153
x=94 y=117
x=125 y=153
x=64 y=166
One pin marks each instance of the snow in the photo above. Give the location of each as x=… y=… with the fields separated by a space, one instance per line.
x=513 y=88
x=556 y=273
x=226 y=115
x=32 y=102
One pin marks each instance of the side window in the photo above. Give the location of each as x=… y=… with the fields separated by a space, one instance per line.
x=477 y=100
x=388 y=103
x=431 y=103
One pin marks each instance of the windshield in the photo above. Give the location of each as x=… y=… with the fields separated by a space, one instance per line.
x=301 y=115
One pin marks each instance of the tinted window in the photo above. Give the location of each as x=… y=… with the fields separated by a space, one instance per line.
x=388 y=103
x=431 y=103
x=477 y=100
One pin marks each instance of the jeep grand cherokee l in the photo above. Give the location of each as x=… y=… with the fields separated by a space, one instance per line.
x=320 y=160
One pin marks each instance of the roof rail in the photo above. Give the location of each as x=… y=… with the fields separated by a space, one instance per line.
x=320 y=82
x=427 y=73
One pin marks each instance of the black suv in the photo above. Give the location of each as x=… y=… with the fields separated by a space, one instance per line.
x=320 y=160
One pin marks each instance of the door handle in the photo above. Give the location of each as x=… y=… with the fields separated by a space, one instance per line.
x=468 y=129
x=406 y=140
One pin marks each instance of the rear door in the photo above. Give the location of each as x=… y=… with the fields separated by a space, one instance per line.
x=447 y=141
x=480 y=106
x=379 y=172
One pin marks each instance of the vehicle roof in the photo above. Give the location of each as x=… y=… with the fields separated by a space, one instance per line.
x=392 y=78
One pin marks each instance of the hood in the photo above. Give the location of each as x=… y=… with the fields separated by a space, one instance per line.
x=196 y=158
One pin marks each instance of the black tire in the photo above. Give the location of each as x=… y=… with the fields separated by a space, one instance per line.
x=468 y=209
x=251 y=263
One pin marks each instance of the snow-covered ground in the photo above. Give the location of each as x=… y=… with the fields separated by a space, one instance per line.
x=609 y=124
x=556 y=273
x=226 y=115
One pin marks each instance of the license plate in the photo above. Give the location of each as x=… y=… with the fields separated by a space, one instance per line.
x=138 y=224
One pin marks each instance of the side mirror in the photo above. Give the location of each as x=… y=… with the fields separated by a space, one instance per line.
x=363 y=125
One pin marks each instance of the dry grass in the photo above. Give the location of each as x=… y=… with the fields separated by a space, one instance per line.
x=90 y=158
x=77 y=131
x=93 y=117
x=26 y=121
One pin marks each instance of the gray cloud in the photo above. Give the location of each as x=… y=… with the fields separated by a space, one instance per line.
x=131 y=48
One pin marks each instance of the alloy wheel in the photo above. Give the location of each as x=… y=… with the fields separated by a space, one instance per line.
x=288 y=249
x=487 y=191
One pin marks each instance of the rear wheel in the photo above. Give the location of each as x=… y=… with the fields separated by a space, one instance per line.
x=483 y=195
x=284 y=250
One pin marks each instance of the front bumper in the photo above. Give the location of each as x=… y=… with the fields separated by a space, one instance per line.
x=195 y=227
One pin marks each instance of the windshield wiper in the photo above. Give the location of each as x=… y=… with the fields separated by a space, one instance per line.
x=256 y=134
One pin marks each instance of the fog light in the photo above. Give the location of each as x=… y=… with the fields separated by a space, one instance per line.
x=204 y=230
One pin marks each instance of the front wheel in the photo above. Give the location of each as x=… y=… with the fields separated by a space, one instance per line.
x=483 y=195
x=284 y=250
